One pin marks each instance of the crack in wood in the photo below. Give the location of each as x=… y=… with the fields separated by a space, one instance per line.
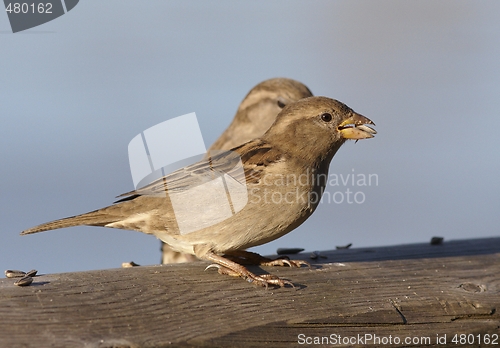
x=475 y=316
x=398 y=309
x=325 y=325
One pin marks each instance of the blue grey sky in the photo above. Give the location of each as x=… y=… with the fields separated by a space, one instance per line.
x=76 y=90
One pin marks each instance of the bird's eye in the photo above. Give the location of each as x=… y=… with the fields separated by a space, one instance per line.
x=326 y=117
x=281 y=104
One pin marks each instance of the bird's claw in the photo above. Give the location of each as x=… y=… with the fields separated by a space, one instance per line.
x=223 y=270
x=285 y=261
x=263 y=280
x=273 y=280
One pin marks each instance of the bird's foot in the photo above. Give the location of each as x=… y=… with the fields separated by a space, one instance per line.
x=285 y=261
x=262 y=280
x=228 y=267
x=249 y=258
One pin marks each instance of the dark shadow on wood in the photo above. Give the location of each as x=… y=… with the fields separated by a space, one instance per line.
x=465 y=247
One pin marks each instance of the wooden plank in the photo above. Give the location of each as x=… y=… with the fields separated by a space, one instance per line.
x=410 y=291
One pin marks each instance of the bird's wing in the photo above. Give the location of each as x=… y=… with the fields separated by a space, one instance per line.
x=244 y=164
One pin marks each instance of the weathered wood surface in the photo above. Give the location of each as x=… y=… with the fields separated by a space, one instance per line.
x=415 y=291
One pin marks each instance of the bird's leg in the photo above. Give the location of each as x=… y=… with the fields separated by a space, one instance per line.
x=234 y=269
x=250 y=258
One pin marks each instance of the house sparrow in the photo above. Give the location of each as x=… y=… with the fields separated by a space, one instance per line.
x=258 y=111
x=255 y=115
x=283 y=176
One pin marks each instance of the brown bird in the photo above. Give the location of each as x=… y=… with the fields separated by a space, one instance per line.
x=254 y=116
x=258 y=110
x=275 y=183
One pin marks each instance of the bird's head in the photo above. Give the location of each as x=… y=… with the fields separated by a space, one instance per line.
x=267 y=99
x=316 y=127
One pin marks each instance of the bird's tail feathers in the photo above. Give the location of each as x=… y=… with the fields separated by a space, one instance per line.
x=94 y=218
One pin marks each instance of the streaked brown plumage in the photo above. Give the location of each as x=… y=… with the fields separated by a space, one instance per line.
x=259 y=109
x=254 y=116
x=302 y=141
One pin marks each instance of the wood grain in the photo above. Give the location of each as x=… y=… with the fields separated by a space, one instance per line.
x=415 y=291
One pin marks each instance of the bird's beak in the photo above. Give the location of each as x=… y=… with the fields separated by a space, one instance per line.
x=355 y=127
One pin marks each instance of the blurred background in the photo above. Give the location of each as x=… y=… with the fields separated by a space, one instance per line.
x=76 y=90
